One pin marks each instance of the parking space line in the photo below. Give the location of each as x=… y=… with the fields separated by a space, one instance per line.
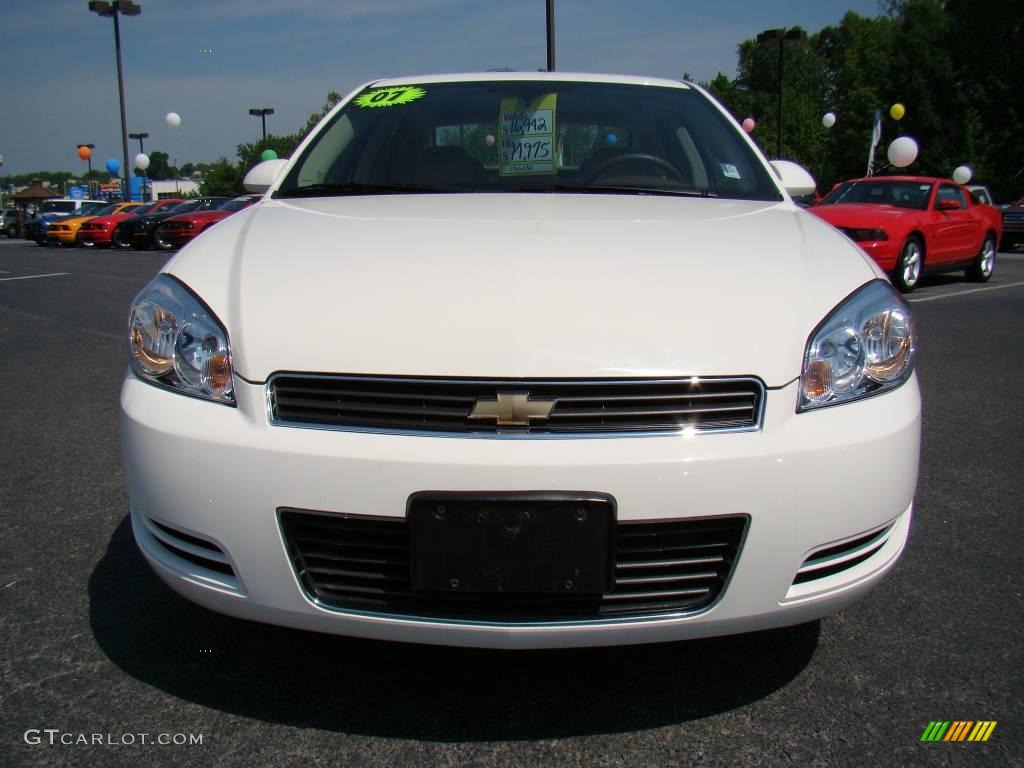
x=30 y=277
x=964 y=293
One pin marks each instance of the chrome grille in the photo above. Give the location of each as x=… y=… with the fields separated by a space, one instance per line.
x=350 y=562
x=585 y=406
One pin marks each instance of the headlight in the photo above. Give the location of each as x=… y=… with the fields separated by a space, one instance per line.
x=175 y=341
x=866 y=235
x=864 y=347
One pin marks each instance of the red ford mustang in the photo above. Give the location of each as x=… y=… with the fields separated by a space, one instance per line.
x=180 y=229
x=915 y=224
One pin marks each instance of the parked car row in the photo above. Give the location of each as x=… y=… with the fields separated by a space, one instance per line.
x=163 y=225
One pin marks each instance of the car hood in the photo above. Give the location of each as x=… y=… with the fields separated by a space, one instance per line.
x=198 y=216
x=110 y=218
x=861 y=214
x=493 y=285
x=76 y=219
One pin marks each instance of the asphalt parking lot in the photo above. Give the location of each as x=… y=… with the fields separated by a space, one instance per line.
x=94 y=644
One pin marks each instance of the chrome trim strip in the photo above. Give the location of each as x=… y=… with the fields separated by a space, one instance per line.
x=878 y=539
x=414 y=619
x=685 y=432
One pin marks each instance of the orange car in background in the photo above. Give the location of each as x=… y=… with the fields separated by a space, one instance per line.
x=97 y=231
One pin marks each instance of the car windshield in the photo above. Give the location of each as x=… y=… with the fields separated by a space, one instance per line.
x=237 y=204
x=541 y=135
x=902 y=194
x=185 y=207
x=104 y=211
x=57 y=206
x=210 y=204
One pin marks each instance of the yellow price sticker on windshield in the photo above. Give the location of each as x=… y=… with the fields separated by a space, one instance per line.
x=526 y=136
x=390 y=97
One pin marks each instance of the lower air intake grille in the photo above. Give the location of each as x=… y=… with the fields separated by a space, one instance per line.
x=349 y=562
x=837 y=558
x=516 y=406
x=191 y=548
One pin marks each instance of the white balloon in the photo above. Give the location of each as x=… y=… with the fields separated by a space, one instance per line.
x=962 y=174
x=902 y=152
x=142 y=161
x=173 y=119
x=829 y=119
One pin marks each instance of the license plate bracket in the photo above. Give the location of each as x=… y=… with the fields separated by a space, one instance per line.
x=542 y=542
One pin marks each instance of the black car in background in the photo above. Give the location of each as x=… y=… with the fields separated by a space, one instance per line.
x=1013 y=225
x=137 y=231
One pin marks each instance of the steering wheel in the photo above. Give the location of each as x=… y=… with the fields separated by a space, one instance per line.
x=601 y=169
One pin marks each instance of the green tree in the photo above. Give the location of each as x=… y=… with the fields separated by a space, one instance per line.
x=952 y=63
x=249 y=154
x=987 y=46
x=160 y=167
x=222 y=178
x=333 y=97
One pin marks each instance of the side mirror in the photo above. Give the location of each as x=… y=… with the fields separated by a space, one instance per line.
x=948 y=205
x=262 y=175
x=795 y=178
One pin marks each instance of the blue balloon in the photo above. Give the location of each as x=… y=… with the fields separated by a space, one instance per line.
x=611 y=138
x=112 y=165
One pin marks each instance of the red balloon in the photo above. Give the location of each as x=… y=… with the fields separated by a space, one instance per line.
x=749 y=124
x=84 y=153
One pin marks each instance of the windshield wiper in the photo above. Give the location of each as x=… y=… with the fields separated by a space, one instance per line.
x=614 y=189
x=353 y=188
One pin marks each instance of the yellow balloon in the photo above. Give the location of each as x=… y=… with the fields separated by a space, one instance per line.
x=897 y=111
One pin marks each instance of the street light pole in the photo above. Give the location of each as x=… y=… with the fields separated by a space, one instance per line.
x=140 y=137
x=262 y=112
x=782 y=35
x=551 y=35
x=114 y=9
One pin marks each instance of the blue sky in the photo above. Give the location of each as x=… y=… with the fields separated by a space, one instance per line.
x=59 y=85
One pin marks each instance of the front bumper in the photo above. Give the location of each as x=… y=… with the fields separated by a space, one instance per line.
x=178 y=237
x=94 y=236
x=1013 y=235
x=806 y=481
x=884 y=252
x=61 y=237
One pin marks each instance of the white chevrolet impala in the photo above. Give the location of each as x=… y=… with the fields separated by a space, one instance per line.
x=517 y=361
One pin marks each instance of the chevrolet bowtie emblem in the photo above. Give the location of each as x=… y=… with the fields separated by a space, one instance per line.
x=512 y=409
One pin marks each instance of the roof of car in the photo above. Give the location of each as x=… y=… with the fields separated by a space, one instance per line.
x=575 y=77
x=921 y=179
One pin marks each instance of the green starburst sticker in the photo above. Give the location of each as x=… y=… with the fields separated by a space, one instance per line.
x=390 y=97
